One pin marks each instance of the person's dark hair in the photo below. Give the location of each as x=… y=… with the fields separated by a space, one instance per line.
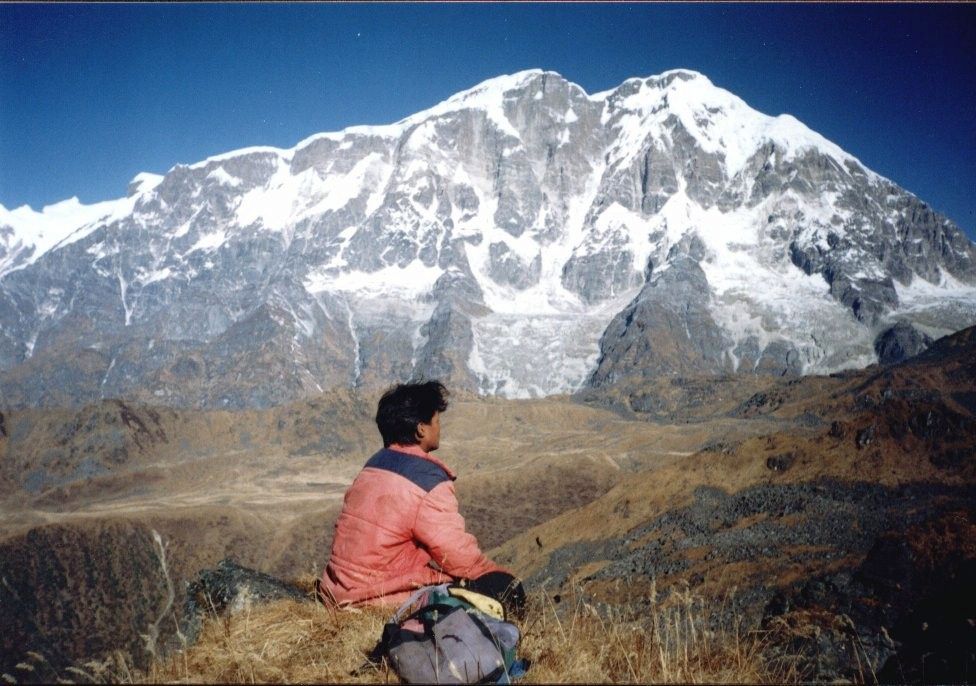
x=405 y=406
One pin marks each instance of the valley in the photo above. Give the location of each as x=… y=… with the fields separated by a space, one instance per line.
x=79 y=560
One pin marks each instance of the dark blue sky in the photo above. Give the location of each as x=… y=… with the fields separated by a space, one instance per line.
x=92 y=94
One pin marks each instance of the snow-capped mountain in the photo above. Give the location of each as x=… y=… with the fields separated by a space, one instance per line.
x=522 y=238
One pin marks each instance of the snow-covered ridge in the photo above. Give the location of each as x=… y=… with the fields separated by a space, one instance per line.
x=143 y=182
x=719 y=120
x=32 y=233
x=486 y=94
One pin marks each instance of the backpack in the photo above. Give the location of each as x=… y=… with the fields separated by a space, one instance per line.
x=450 y=635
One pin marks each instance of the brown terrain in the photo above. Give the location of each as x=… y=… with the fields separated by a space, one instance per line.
x=836 y=514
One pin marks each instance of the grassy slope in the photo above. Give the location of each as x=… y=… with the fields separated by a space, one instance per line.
x=288 y=641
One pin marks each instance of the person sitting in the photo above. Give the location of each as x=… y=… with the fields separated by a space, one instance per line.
x=400 y=528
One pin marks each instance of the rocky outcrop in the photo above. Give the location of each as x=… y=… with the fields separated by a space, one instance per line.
x=903 y=615
x=228 y=589
x=900 y=342
x=509 y=268
x=667 y=329
x=447 y=346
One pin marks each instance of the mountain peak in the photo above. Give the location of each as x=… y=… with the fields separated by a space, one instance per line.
x=488 y=95
x=513 y=239
x=143 y=182
x=679 y=73
x=501 y=84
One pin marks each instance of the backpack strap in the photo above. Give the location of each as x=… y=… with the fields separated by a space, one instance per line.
x=400 y=614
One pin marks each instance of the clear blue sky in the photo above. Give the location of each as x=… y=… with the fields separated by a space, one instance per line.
x=91 y=94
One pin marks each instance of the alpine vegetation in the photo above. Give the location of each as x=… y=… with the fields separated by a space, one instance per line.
x=522 y=238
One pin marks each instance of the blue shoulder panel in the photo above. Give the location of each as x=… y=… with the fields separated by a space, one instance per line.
x=419 y=471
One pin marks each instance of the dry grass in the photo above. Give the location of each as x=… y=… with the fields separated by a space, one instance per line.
x=670 y=643
x=285 y=641
x=566 y=642
x=291 y=641
x=35 y=668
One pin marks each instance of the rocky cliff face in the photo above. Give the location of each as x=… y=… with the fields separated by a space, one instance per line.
x=522 y=238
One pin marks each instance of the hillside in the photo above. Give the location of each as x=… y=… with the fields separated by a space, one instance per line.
x=863 y=508
x=824 y=519
x=261 y=487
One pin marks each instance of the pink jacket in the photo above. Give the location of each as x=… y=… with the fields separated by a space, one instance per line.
x=399 y=515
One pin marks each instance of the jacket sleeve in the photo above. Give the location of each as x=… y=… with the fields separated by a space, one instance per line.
x=440 y=529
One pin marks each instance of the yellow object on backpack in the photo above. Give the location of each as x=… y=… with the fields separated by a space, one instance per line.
x=481 y=602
